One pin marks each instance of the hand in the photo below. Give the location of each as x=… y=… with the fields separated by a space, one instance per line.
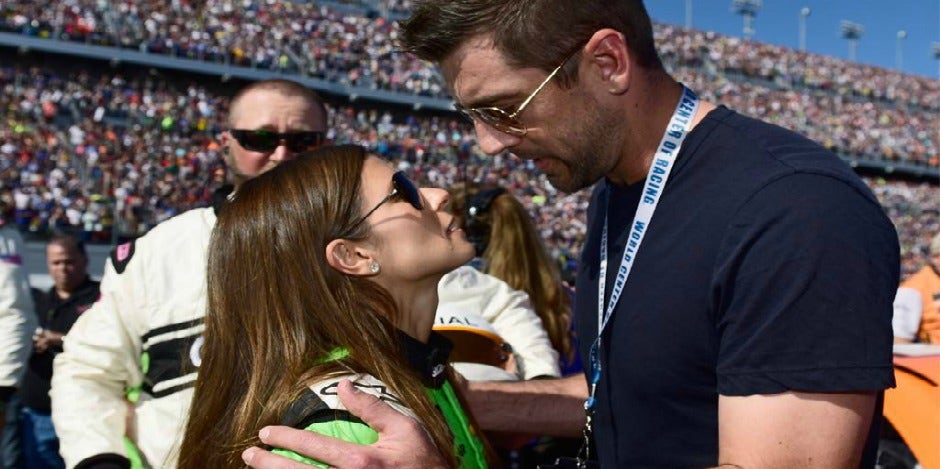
x=44 y=339
x=402 y=440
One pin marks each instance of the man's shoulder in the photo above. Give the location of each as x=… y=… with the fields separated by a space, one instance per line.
x=186 y=222
x=769 y=144
x=11 y=246
x=168 y=240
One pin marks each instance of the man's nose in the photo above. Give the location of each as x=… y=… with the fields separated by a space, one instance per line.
x=493 y=141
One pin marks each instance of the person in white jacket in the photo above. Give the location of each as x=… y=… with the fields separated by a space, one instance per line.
x=476 y=304
x=17 y=319
x=141 y=339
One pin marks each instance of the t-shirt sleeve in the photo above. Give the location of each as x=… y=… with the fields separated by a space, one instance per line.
x=347 y=430
x=803 y=290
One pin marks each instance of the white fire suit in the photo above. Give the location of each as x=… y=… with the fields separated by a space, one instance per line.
x=143 y=333
x=17 y=318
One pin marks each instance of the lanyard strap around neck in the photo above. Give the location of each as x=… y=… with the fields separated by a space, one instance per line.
x=656 y=178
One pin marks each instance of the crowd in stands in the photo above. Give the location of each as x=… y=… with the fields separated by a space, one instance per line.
x=853 y=108
x=101 y=150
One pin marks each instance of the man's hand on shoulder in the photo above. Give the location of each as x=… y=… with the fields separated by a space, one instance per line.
x=402 y=442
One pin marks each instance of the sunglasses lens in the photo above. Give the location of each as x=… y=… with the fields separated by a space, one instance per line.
x=499 y=120
x=303 y=141
x=407 y=189
x=256 y=140
x=265 y=141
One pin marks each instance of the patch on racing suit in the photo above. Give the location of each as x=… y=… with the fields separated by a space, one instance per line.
x=121 y=255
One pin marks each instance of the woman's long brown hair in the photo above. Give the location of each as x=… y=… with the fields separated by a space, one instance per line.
x=276 y=308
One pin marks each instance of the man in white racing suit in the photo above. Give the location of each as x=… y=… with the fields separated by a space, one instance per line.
x=142 y=337
x=17 y=319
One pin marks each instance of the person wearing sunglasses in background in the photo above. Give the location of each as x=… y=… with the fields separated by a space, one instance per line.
x=755 y=272
x=141 y=340
x=362 y=251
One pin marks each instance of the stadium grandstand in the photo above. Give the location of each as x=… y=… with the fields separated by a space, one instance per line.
x=112 y=110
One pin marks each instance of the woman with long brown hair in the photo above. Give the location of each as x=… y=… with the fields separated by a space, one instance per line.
x=510 y=249
x=326 y=268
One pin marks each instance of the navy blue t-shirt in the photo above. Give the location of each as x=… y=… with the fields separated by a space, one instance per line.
x=768 y=266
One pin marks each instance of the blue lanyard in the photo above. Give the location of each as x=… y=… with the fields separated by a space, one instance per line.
x=656 y=178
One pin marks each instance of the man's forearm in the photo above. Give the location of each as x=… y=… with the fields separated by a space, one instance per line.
x=552 y=407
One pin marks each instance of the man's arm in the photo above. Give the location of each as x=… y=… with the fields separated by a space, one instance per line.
x=905 y=320
x=550 y=407
x=90 y=377
x=554 y=405
x=17 y=323
x=794 y=429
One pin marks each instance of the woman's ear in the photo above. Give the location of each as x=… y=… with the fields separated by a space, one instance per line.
x=348 y=258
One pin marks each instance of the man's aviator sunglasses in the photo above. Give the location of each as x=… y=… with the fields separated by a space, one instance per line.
x=506 y=121
x=402 y=189
x=267 y=141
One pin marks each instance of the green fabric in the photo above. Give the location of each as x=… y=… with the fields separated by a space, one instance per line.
x=133 y=394
x=467 y=444
x=133 y=454
x=468 y=448
x=353 y=432
x=338 y=353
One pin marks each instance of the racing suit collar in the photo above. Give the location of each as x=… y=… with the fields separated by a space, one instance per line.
x=428 y=359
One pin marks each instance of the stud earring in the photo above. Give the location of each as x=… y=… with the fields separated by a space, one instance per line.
x=374 y=267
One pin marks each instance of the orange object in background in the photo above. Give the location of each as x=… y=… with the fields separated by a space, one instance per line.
x=913 y=407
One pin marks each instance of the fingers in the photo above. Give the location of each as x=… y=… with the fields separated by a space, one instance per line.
x=312 y=445
x=260 y=459
x=375 y=413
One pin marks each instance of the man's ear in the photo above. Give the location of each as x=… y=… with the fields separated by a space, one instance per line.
x=610 y=58
x=348 y=258
x=225 y=141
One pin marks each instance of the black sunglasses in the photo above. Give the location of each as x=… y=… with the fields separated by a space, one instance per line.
x=267 y=141
x=402 y=189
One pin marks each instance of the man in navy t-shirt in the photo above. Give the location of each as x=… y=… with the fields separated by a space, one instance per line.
x=739 y=312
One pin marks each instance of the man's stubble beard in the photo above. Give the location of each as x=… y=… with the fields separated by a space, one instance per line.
x=593 y=157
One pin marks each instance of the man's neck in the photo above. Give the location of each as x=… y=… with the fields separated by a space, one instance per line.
x=648 y=116
x=63 y=294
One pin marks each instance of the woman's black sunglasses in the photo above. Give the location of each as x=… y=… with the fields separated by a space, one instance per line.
x=402 y=188
x=267 y=141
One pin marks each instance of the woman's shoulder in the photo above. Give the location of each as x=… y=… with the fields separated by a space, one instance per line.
x=325 y=391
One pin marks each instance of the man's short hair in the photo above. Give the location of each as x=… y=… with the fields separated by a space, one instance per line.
x=287 y=88
x=68 y=241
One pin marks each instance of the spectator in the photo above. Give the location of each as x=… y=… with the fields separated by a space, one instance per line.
x=72 y=293
x=17 y=320
x=908 y=308
x=927 y=284
x=509 y=247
